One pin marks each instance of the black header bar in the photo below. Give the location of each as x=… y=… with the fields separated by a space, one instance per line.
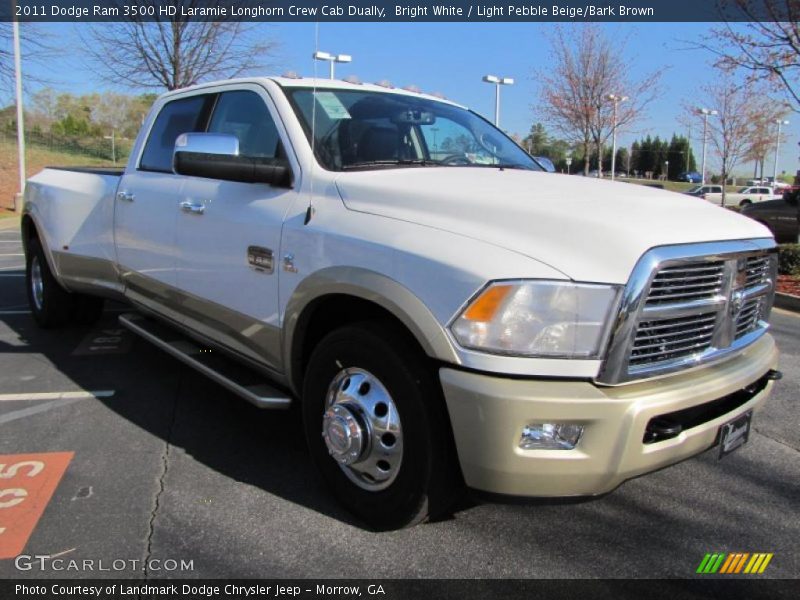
x=480 y=11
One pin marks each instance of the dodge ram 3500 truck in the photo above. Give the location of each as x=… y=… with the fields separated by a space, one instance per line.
x=444 y=311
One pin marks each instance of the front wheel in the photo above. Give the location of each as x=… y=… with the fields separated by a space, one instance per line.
x=744 y=203
x=376 y=426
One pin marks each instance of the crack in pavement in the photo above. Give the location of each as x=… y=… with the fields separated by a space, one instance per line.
x=165 y=467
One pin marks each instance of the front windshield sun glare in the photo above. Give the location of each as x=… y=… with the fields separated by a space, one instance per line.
x=359 y=129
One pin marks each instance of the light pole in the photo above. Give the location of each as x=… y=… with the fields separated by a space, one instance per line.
x=20 y=115
x=779 y=123
x=497 y=81
x=113 y=138
x=705 y=112
x=332 y=59
x=569 y=162
x=666 y=170
x=616 y=99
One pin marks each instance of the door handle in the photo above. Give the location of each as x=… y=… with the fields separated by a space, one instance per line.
x=196 y=208
x=126 y=196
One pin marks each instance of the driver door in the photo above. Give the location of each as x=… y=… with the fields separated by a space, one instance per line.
x=225 y=296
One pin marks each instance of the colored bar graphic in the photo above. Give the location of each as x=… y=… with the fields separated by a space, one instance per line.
x=765 y=563
x=728 y=563
x=734 y=563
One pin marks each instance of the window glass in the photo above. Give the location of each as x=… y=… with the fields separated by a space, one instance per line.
x=354 y=129
x=179 y=116
x=244 y=114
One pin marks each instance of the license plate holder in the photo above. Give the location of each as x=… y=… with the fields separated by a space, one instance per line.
x=734 y=434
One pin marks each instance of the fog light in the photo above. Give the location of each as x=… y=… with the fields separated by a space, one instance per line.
x=550 y=436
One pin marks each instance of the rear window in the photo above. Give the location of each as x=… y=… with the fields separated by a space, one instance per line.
x=185 y=115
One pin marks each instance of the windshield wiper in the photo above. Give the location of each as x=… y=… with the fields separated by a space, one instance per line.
x=391 y=162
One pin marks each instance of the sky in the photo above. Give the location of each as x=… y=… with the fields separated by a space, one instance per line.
x=452 y=58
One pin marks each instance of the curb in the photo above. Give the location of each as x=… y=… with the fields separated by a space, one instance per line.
x=787 y=302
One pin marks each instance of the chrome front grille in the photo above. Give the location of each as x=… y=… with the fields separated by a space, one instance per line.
x=687 y=305
x=683 y=283
x=672 y=338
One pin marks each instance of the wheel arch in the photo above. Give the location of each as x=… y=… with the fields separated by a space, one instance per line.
x=355 y=295
x=30 y=229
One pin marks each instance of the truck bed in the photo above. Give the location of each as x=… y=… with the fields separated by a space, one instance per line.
x=111 y=171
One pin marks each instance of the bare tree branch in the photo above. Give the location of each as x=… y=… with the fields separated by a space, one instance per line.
x=767 y=51
x=176 y=52
x=586 y=67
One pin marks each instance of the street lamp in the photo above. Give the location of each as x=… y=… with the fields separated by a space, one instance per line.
x=616 y=99
x=705 y=112
x=779 y=123
x=666 y=170
x=497 y=81
x=569 y=162
x=332 y=59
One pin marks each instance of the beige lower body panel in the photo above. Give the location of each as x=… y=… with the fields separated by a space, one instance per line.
x=488 y=414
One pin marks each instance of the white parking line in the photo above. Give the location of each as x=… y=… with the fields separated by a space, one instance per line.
x=12 y=268
x=20 y=254
x=12 y=274
x=79 y=395
x=14 y=312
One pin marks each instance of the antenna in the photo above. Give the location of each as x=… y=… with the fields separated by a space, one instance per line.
x=310 y=209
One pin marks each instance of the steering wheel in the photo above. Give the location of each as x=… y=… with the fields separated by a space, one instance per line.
x=455 y=159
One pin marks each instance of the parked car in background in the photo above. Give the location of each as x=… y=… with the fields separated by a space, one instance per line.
x=782 y=217
x=690 y=177
x=745 y=196
x=546 y=163
x=701 y=190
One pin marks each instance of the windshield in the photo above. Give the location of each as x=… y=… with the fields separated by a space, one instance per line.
x=362 y=130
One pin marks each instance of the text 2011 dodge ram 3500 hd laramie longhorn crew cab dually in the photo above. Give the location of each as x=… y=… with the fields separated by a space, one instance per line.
x=444 y=310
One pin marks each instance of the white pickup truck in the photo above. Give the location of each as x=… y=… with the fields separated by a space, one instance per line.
x=445 y=312
x=745 y=196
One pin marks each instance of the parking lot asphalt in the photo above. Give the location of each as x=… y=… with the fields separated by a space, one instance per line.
x=171 y=467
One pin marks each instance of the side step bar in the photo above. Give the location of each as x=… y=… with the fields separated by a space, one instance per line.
x=229 y=374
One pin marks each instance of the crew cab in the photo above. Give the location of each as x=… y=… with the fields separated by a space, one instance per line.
x=445 y=312
x=745 y=196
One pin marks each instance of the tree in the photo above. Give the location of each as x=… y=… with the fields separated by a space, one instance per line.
x=585 y=67
x=766 y=47
x=35 y=48
x=730 y=131
x=762 y=133
x=175 y=52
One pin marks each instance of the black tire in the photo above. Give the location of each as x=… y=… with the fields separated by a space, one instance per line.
x=50 y=304
x=428 y=474
x=744 y=203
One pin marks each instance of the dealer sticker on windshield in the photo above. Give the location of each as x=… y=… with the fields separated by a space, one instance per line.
x=734 y=434
x=332 y=106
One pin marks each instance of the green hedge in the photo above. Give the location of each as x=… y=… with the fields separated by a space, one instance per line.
x=789 y=259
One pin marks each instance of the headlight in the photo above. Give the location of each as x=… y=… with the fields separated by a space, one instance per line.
x=537 y=318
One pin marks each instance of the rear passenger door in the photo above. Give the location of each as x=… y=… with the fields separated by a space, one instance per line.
x=225 y=295
x=146 y=206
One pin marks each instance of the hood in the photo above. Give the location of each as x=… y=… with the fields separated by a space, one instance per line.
x=589 y=229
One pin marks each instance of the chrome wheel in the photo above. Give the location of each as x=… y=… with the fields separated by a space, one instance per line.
x=37 y=283
x=361 y=428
